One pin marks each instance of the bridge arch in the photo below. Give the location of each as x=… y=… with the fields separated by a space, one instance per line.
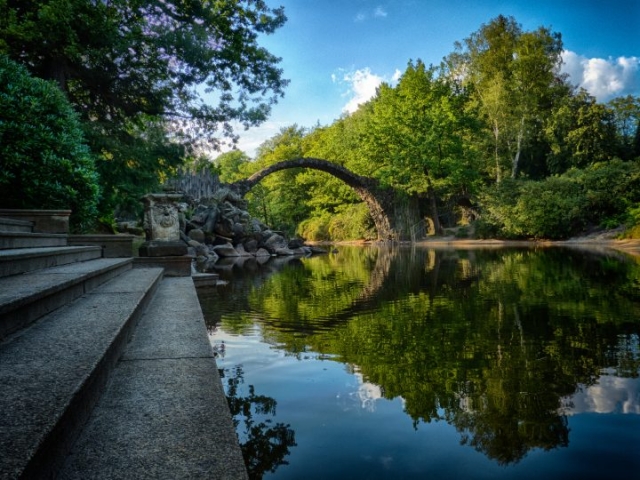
x=379 y=201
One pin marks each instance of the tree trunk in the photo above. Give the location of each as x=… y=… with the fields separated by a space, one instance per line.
x=516 y=158
x=496 y=136
x=433 y=206
x=56 y=70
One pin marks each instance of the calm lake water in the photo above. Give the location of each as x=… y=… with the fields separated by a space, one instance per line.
x=385 y=363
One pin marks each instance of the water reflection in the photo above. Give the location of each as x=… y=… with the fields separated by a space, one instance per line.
x=502 y=344
x=264 y=444
x=610 y=394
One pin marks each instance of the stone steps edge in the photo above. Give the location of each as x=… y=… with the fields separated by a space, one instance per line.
x=20 y=312
x=24 y=260
x=56 y=443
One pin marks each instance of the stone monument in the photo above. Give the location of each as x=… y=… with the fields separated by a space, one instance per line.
x=163 y=245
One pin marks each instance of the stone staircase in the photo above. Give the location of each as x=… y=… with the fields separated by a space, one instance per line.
x=67 y=315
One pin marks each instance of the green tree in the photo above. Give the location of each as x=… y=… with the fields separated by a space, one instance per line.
x=45 y=161
x=580 y=132
x=626 y=117
x=416 y=134
x=515 y=79
x=232 y=166
x=280 y=200
x=150 y=79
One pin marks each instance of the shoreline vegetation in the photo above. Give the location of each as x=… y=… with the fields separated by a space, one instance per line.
x=629 y=246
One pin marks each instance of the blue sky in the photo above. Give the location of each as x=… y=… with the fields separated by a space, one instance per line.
x=336 y=52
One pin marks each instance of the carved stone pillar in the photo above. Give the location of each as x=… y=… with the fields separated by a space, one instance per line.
x=161 y=217
x=162 y=229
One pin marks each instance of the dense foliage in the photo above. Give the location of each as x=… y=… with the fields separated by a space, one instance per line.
x=152 y=80
x=45 y=160
x=495 y=133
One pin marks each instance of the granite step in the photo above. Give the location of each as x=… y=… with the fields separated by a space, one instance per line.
x=22 y=260
x=25 y=298
x=9 y=240
x=12 y=225
x=53 y=372
x=164 y=413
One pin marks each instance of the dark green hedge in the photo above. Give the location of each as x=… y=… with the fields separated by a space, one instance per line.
x=45 y=162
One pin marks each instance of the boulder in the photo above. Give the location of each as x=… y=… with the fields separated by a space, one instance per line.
x=200 y=214
x=296 y=243
x=238 y=230
x=251 y=245
x=262 y=253
x=206 y=264
x=196 y=234
x=199 y=248
x=283 y=251
x=212 y=218
x=224 y=227
x=225 y=250
x=212 y=255
x=242 y=252
x=274 y=242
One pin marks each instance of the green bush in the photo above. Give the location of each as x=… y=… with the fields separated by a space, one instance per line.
x=45 y=162
x=351 y=222
x=552 y=209
x=555 y=208
x=612 y=190
x=315 y=229
x=497 y=210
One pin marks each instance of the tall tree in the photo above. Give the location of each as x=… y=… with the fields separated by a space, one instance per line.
x=626 y=117
x=417 y=133
x=232 y=165
x=150 y=78
x=580 y=132
x=515 y=76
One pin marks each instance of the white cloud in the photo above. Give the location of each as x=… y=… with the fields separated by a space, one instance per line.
x=362 y=85
x=603 y=78
x=379 y=12
x=609 y=394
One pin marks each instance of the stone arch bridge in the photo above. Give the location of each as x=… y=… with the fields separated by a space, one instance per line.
x=392 y=222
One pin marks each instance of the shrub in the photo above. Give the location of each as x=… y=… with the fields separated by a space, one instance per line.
x=315 y=229
x=497 y=210
x=553 y=208
x=351 y=222
x=612 y=190
x=45 y=162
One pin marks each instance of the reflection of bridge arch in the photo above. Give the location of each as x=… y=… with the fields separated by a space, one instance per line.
x=380 y=202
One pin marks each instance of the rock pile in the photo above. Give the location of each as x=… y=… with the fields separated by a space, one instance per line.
x=221 y=227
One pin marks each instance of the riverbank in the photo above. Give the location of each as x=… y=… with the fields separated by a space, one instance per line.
x=599 y=241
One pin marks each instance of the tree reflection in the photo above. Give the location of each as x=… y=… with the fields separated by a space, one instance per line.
x=491 y=341
x=264 y=444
